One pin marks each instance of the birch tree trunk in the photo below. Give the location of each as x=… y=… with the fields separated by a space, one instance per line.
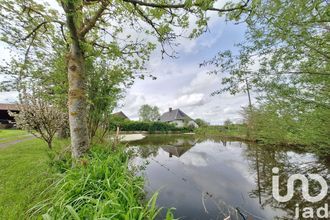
x=77 y=103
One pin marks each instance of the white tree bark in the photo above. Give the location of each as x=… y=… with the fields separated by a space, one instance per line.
x=77 y=103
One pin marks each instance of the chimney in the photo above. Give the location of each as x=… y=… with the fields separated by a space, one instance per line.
x=170 y=109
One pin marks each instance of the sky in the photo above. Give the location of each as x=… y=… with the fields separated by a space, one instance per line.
x=181 y=83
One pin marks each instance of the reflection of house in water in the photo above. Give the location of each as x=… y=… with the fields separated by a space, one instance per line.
x=174 y=145
x=179 y=147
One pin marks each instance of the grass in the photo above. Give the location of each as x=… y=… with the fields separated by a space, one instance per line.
x=229 y=131
x=11 y=135
x=6 y=133
x=101 y=186
x=24 y=174
x=36 y=182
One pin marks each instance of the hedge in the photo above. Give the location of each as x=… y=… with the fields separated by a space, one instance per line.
x=147 y=126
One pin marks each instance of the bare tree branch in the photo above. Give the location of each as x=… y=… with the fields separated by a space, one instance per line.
x=89 y=25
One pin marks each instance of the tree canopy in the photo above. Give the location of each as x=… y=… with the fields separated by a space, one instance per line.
x=285 y=61
x=149 y=113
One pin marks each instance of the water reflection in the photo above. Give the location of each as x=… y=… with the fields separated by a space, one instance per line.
x=262 y=160
x=210 y=178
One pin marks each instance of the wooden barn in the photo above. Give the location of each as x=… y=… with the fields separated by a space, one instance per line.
x=6 y=121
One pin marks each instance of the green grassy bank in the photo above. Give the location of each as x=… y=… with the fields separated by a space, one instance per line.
x=24 y=174
x=270 y=136
x=40 y=183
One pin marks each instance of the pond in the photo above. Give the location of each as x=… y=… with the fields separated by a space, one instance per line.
x=209 y=178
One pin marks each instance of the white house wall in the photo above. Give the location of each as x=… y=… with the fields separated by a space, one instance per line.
x=192 y=123
x=180 y=123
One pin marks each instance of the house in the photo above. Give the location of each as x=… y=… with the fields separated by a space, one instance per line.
x=120 y=115
x=7 y=121
x=177 y=117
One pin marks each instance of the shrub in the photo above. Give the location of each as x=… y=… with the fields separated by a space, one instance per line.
x=39 y=117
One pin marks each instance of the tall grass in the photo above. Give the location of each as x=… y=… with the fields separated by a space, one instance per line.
x=101 y=187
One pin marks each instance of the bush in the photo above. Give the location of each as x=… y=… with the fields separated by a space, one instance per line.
x=101 y=187
x=150 y=127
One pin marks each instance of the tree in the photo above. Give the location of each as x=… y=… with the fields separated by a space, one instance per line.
x=39 y=117
x=201 y=122
x=227 y=122
x=149 y=113
x=96 y=28
x=285 y=58
x=105 y=87
x=105 y=84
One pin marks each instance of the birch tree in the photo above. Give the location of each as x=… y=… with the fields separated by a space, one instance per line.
x=102 y=28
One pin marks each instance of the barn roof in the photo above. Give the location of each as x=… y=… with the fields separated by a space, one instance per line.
x=121 y=115
x=7 y=106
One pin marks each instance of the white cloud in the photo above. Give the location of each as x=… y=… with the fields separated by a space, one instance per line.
x=202 y=82
x=194 y=99
x=197 y=159
x=131 y=105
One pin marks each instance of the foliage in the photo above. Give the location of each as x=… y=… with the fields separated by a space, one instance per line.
x=103 y=186
x=39 y=117
x=105 y=88
x=227 y=122
x=231 y=131
x=269 y=125
x=149 y=113
x=116 y=121
x=105 y=85
x=201 y=123
x=150 y=127
x=285 y=41
x=285 y=58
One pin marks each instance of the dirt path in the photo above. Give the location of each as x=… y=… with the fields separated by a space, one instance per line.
x=10 y=137
x=7 y=144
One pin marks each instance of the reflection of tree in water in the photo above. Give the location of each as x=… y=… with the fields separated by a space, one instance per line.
x=262 y=159
x=147 y=151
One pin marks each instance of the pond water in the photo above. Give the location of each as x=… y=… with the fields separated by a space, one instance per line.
x=213 y=179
